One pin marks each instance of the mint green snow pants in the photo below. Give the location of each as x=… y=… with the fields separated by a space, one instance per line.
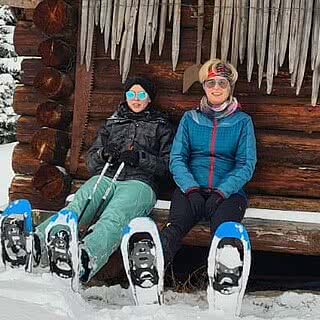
x=127 y=200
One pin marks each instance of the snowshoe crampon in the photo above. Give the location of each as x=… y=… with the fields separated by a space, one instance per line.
x=62 y=246
x=16 y=235
x=143 y=261
x=228 y=268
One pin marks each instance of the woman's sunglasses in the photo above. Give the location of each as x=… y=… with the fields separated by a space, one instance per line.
x=222 y=83
x=141 y=95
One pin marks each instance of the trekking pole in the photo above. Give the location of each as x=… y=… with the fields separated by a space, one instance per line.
x=98 y=211
x=104 y=170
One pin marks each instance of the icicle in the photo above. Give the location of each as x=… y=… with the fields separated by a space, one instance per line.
x=162 y=30
x=272 y=43
x=284 y=30
x=251 y=37
x=84 y=29
x=107 y=28
x=225 y=40
x=155 y=20
x=235 y=34
x=129 y=40
x=259 y=27
x=266 y=7
x=176 y=33
x=315 y=33
x=293 y=34
x=215 y=29
x=114 y=29
x=143 y=13
x=278 y=35
x=316 y=76
x=304 y=44
x=90 y=33
x=121 y=15
x=148 y=36
x=243 y=29
x=299 y=42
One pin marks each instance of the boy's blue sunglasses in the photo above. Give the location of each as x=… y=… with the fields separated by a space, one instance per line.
x=141 y=95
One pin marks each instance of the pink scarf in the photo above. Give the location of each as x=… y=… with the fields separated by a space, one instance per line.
x=219 y=111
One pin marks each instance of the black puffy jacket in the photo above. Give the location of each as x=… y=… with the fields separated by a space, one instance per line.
x=147 y=132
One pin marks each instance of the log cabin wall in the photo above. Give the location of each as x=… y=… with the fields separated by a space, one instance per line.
x=287 y=127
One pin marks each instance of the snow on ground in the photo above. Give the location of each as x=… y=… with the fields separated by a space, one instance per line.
x=40 y=296
x=6 y=172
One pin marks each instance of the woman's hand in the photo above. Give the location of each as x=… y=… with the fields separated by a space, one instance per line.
x=130 y=157
x=196 y=200
x=213 y=203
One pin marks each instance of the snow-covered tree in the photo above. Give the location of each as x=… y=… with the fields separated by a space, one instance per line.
x=9 y=74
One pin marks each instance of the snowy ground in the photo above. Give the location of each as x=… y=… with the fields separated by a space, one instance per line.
x=40 y=296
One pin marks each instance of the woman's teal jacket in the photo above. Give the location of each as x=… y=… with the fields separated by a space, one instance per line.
x=214 y=153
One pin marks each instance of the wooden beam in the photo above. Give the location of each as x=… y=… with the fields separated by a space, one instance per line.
x=27 y=38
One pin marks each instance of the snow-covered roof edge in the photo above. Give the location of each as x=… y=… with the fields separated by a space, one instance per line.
x=27 y=4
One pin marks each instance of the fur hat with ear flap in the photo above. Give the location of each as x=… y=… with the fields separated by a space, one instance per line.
x=145 y=83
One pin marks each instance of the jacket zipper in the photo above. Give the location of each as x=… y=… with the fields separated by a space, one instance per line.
x=212 y=142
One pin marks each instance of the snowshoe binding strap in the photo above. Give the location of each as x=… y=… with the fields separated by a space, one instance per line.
x=13 y=241
x=142 y=260
x=226 y=280
x=59 y=255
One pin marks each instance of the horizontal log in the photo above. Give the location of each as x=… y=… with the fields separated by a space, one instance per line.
x=23 y=14
x=51 y=145
x=107 y=77
x=22 y=187
x=52 y=182
x=27 y=126
x=26 y=100
x=54 y=115
x=288 y=147
x=27 y=38
x=268 y=112
x=53 y=83
x=55 y=17
x=278 y=179
x=284 y=203
x=31 y=67
x=57 y=53
x=22 y=184
x=23 y=160
x=265 y=235
x=298 y=148
x=270 y=178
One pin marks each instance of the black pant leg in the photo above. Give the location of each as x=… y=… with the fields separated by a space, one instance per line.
x=181 y=220
x=231 y=209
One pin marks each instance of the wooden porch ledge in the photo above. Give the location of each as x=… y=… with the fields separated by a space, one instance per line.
x=295 y=232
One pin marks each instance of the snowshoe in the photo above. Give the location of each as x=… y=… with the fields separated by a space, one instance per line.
x=62 y=246
x=228 y=268
x=143 y=260
x=16 y=235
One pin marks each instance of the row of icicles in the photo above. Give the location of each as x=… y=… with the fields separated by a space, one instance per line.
x=261 y=30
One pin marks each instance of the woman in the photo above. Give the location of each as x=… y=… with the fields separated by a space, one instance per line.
x=212 y=157
x=140 y=136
